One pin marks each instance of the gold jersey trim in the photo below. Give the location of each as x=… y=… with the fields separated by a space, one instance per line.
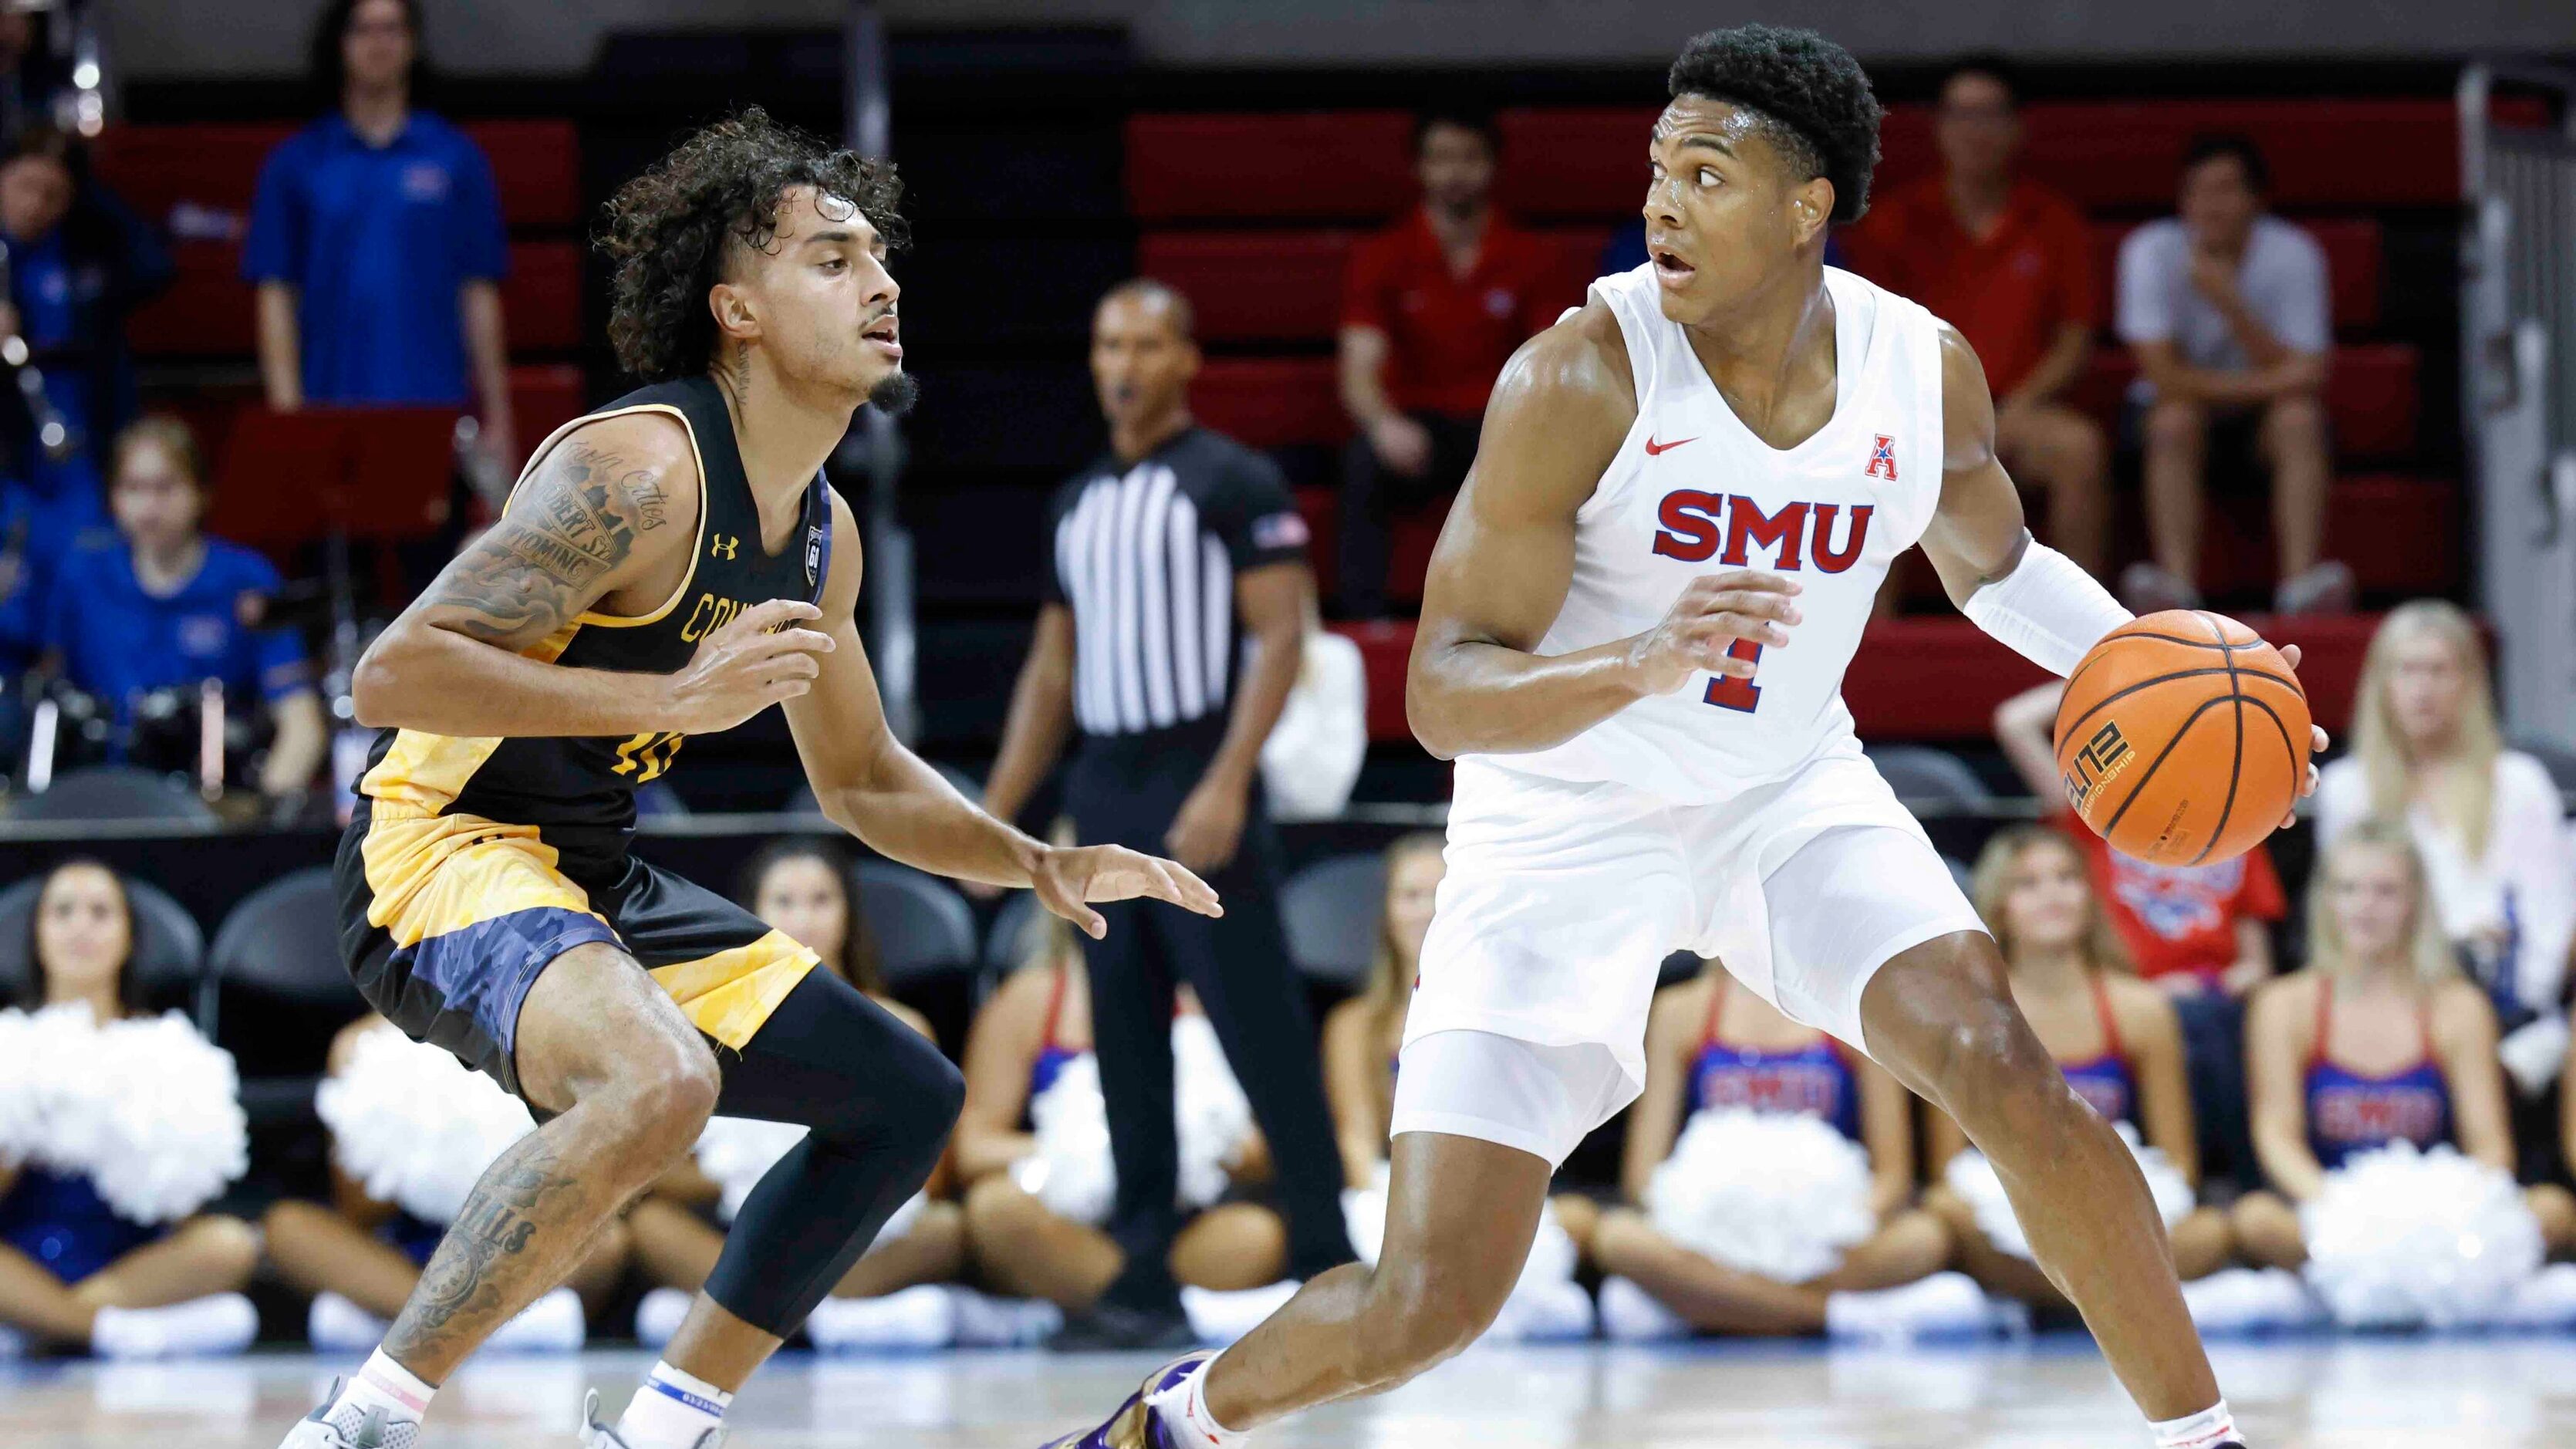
x=632 y=621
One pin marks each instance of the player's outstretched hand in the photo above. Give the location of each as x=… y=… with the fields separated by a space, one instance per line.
x=1067 y=877
x=2316 y=738
x=1713 y=612
x=752 y=661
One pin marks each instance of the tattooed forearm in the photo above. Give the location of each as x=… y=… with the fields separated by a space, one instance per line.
x=574 y=523
x=496 y=1258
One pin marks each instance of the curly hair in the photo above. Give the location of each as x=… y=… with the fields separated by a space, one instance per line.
x=666 y=231
x=1814 y=95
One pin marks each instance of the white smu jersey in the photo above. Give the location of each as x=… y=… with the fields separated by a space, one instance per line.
x=1692 y=491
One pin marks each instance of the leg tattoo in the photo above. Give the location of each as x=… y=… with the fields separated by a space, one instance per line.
x=520 y=1231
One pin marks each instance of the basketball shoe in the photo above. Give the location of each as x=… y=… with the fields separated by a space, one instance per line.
x=1136 y=1425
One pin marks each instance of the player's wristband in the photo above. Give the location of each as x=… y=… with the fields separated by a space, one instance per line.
x=2047 y=609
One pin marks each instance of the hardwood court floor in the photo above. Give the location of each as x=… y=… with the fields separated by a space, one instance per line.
x=2501 y=1393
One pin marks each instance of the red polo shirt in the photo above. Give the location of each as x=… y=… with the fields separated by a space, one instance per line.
x=2009 y=293
x=1449 y=335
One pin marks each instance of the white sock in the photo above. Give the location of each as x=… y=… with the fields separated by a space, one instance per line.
x=383 y=1388
x=2207 y=1429
x=216 y=1323
x=672 y=1410
x=1185 y=1404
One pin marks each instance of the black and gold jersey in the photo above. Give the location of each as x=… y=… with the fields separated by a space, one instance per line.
x=579 y=793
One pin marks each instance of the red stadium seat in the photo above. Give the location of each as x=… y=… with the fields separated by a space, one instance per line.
x=1286 y=286
x=1271 y=402
x=541 y=298
x=543 y=397
x=2373 y=396
x=207 y=312
x=1385 y=645
x=536 y=167
x=1254 y=286
x=2352 y=248
x=1303 y=164
x=2346 y=154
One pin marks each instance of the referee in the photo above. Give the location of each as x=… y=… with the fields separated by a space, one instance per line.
x=1172 y=552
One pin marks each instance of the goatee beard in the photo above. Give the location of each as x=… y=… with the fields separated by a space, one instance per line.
x=894 y=394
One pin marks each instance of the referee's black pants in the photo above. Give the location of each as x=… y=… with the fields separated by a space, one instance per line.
x=1124 y=790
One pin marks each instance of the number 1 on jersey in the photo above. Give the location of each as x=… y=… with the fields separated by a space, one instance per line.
x=1727 y=691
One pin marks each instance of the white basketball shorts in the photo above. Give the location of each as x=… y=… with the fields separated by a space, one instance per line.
x=1562 y=900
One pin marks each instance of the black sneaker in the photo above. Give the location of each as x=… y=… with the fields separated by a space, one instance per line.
x=1113 y=1328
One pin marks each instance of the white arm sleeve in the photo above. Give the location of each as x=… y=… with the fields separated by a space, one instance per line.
x=2047 y=609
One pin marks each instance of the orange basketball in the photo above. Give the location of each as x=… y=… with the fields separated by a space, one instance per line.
x=2183 y=738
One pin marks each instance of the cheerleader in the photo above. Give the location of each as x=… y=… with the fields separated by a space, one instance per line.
x=1712 y=1046
x=1362 y=1035
x=2379 y=1040
x=1032 y=1033
x=2114 y=1037
x=803 y=887
x=75 y=1268
x=358 y=1257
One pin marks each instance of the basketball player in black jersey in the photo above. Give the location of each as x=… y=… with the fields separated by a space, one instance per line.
x=668 y=566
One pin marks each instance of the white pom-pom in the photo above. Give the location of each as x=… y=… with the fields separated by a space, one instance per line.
x=22 y=1090
x=2399 y=1238
x=1211 y=1118
x=902 y=1220
x=736 y=1152
x=1973 y=1178
x=1781 y=1194
x=415 y=1126
x=1071 y=1172
x=149 y=1111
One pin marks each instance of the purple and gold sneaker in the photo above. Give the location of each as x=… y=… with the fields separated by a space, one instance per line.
x=1136 y=1426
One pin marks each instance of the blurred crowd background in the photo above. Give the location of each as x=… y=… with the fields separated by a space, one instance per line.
x=2272 y=335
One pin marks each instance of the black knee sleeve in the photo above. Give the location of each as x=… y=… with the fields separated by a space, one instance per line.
x=880 y=1101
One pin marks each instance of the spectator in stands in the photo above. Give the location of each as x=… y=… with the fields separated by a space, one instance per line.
x=1712 y=1045
x=77 y=262
x=2378 y=1040
x=1025 y=1235
x=73 y=1271
x=376 y=240
x=358 y=1258
x=802 y=887
x=2201 y=932
x=2114 y=1037
x=1432 y=308
x=2227 y=310
x=2486 y=819
x=1361 y=1035
x=1173 y=712
x=2010 y=264
x=160 y=605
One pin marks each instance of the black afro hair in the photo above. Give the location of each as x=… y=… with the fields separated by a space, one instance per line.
x=1809 y=88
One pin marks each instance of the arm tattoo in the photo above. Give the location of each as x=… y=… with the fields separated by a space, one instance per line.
x=482 y=1270
x=576 y=521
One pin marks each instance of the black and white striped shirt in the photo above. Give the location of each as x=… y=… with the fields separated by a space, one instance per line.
x=1146 y=556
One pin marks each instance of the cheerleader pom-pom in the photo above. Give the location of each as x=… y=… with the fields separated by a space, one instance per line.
x=1072 y=1171
x=414 y=1126
x=22 y=1090
x=1552 y=1256
x=1211 y=1118
x=1775 y=1193
x=735 y=1152
x=2401 y=1239
x=153 y=1118
x=1973 y=1178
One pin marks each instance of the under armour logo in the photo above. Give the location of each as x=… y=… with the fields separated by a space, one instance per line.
x=723 y=547
x=1882 y=459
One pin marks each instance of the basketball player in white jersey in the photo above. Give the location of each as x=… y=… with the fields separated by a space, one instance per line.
x=1632 y=643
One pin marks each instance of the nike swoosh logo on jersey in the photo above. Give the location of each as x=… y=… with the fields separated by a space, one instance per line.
x=1653 y=447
